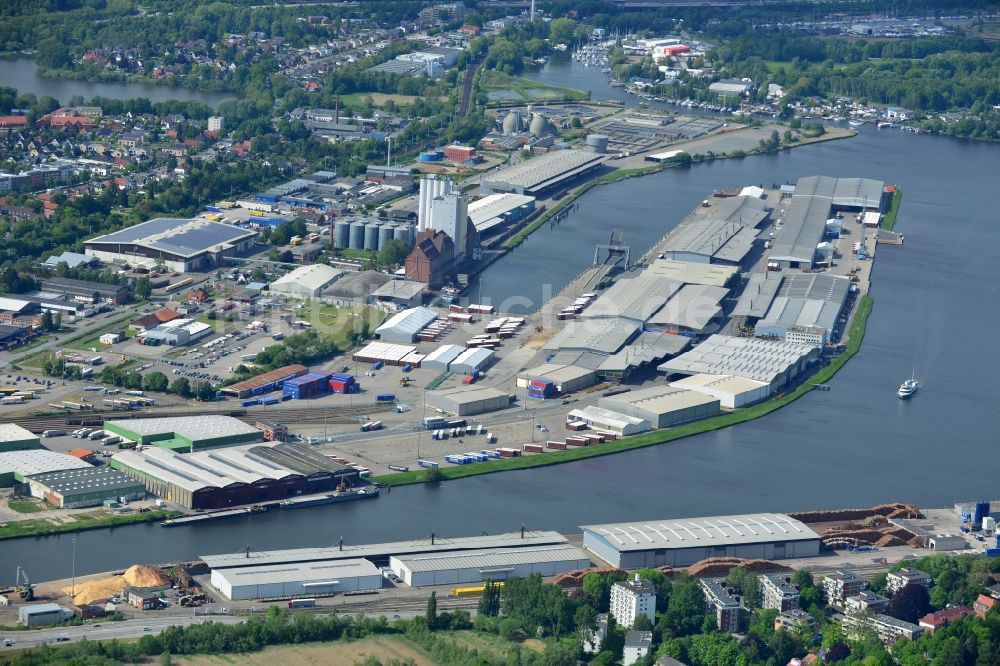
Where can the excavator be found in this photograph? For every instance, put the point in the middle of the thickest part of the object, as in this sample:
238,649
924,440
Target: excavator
27,590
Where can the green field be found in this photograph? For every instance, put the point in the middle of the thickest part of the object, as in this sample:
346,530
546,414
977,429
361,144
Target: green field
500,87
78,522
889,220
339,321
853,343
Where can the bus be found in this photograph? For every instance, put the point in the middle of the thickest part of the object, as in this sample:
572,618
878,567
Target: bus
474,589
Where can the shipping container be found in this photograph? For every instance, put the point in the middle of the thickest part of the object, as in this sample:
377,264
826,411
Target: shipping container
555,445
469,379
301,603
427,463
533,448
508,452
385,397
250,403
399,468
378,365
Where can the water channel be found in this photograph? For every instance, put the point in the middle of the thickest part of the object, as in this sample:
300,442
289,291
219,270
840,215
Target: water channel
22,74
935,313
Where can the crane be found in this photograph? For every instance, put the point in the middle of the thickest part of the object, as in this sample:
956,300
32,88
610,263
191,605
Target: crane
27,590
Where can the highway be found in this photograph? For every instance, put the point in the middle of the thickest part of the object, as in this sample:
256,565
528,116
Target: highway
108,630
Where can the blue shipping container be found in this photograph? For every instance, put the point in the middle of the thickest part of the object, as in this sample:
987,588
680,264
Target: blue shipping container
385,397
378,365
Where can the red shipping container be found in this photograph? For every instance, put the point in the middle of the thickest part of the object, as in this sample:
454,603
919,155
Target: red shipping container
555,445
533,448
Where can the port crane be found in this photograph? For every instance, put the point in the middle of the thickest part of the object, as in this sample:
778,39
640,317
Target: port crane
27,590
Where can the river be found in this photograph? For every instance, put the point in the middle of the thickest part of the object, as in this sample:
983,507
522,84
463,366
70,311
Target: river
857,444
22,74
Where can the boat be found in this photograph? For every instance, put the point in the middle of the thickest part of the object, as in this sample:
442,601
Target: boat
365,492
908,388
855,123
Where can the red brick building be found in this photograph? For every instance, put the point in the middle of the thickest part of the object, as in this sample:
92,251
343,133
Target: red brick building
433,258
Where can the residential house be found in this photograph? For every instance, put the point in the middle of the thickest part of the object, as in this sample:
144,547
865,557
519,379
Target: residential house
934,621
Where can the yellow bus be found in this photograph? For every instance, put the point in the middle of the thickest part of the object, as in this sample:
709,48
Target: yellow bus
475,589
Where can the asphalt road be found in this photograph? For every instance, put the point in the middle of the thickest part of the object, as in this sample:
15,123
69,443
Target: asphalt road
109,630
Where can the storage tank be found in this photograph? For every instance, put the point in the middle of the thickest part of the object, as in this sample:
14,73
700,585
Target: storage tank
385,234
342,234
537,126
402,232
371,235
357,235
512,122
431,156
597,143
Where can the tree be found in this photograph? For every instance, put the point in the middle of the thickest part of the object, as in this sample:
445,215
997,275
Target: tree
393,253
57,321
143,288
47,320
746,582
585,619
155,381
838,652
910,603
642,623
489,603
203,391
432,609
562,30
53,54
686,610
182,387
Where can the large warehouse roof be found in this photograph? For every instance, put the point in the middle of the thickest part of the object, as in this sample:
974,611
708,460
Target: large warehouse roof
807,300
312,278
714,240
38,461
746,210
757,295
195,471
304,572
602,336
544,171
693,307
177,236
805,220
635,298
763,360
649,347
407,323
464,395
442,544
721,383
692,273
11,432
661,399
194,428
492,559
701,532
858,193
492,209
69,482
284,372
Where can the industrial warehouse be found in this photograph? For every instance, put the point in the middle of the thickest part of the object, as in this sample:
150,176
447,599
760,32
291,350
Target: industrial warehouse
180,244
235,475
297,580
467,402
542,174
476,566
679,543
186,433
85,486
496,212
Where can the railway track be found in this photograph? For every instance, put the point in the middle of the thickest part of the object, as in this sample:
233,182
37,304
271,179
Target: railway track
334,415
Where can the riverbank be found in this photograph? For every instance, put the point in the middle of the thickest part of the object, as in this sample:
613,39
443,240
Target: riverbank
889,219
684,159
824,374
79,523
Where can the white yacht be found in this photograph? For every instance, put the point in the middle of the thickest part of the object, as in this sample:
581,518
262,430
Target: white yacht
908,388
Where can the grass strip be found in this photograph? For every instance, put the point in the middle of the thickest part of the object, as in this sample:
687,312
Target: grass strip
856,334
40,527
889,219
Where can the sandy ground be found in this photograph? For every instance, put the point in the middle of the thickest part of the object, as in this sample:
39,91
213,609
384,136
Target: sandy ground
383,648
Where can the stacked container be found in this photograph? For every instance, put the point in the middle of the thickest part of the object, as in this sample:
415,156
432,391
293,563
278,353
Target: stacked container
540,389
307,386
341,382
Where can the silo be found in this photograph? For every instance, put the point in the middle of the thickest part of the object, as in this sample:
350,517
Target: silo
371,235
342,234
357,235
537,126
402,233
597,143
385,234
512,123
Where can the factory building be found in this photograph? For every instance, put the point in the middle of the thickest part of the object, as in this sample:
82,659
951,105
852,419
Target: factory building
635,299
607,420
495,213
473,360
542,174
476,566
87,291
566,378
41,615
264,383
678,543
17,466
465,401
441,358
805,309
180,244
401,293
731,391
686,272
432,260
662,406
599,336
15,438
380,552
695,309
186,433
404,326
305,282
711,242
773,362
814,200
233,476
86,486
176,333
650,349
388,353
305,580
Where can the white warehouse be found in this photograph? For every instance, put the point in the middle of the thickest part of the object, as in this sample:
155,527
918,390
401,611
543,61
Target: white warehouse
476,566
306,579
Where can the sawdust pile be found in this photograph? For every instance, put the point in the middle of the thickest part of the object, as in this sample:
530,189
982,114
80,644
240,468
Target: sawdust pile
138,575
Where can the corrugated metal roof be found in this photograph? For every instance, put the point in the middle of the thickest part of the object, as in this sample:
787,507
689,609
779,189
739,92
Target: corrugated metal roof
636,298
464,395
692,273
539,171
11,432
38,461
85,480
702,532
312,277
692,307
180,236
195,428
755,358
301,572
408,322
491,559
661,399
602,336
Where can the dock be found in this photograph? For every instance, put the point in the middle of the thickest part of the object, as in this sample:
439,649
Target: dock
212,515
